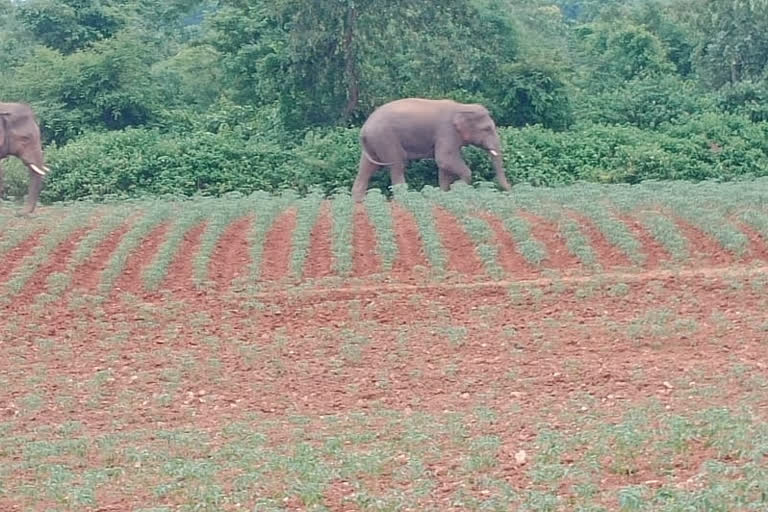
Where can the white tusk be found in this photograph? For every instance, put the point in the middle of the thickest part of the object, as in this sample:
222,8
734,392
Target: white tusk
494,152
37,169
46,169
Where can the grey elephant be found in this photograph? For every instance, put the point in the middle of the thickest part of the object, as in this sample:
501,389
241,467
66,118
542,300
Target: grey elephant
414,128
20,137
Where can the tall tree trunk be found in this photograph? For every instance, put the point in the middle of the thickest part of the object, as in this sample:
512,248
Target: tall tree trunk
351,71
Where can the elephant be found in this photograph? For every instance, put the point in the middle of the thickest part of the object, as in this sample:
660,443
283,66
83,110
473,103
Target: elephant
20,137
414,128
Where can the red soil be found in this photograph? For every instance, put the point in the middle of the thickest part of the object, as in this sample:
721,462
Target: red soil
410,250
181,271
130,280
231,258
509,257
459,247
86,275
276,258
56,262
757,248
548,233
704,249
320,259
654,252
550,359
15,256
366,259
608,255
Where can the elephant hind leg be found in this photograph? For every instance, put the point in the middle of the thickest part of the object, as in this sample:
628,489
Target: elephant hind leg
364,173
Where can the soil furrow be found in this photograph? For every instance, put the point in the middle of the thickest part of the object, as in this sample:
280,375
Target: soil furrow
276,258
130,279
410,250
366,260
654,252
86,275
458,245
559,258
181,271
703,248
232,257
15,256
320,258
608,255
510,259
56,262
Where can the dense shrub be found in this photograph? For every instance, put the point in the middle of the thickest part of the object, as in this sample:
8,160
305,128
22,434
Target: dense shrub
647,102
144,161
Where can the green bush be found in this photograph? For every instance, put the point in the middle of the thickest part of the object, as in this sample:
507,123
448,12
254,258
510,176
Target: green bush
647,102
135,162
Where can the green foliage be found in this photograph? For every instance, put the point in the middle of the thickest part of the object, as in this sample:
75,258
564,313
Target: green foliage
747,98
201,97
646,102
71,25
107,87
306,216
733,44
342,214
380,215
622,52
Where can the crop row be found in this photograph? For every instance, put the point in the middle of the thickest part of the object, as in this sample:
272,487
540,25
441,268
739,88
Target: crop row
720,212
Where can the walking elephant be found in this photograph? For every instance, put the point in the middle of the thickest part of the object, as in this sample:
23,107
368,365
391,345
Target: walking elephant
414,128
20,137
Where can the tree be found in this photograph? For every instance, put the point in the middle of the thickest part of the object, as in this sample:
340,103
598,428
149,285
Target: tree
70,25
733,41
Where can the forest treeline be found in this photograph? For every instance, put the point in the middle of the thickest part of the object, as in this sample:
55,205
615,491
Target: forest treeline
211,96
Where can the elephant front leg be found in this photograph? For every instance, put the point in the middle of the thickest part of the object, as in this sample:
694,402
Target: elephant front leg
2,183
452,164
444,179
35,185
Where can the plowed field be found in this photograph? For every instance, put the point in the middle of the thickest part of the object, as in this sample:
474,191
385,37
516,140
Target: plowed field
590,348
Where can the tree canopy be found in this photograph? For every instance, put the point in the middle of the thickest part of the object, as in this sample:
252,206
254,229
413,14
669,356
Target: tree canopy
285,74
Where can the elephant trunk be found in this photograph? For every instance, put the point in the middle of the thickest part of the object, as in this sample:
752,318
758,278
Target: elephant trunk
498,165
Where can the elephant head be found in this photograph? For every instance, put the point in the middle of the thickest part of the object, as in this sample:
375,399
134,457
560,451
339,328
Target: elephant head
20,137
476,127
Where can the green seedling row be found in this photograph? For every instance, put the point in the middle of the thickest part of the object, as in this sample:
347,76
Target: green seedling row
156,271
74,220
152,217
16,235
614,230
217,222
380,215
666,232
712,222
421,209
577,242
342,214
267,208
459,203
306,216
58,282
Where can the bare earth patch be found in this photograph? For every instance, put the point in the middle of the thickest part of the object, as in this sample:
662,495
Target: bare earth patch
526,392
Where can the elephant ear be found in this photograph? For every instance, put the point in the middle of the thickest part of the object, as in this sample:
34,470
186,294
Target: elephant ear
462,121
466,119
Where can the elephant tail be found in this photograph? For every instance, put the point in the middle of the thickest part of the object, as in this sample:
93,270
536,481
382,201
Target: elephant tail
368,155
375,162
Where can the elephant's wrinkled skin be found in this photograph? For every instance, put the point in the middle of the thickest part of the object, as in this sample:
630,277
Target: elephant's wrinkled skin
20,137
413,128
